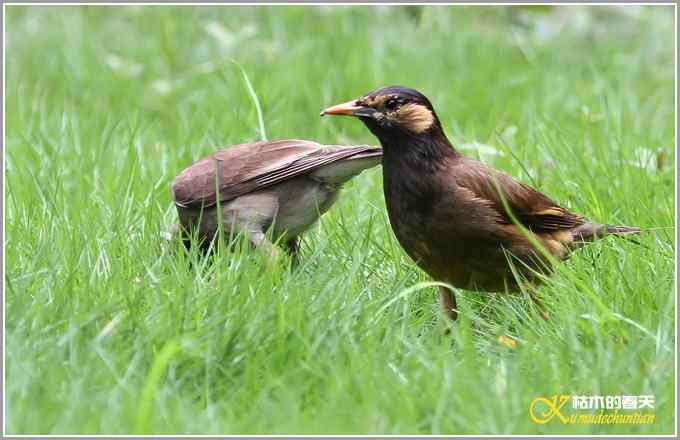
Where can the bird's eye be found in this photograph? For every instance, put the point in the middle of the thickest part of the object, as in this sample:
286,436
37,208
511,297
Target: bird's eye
391,104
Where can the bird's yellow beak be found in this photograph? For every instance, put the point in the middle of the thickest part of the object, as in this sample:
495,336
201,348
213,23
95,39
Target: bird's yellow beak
349,108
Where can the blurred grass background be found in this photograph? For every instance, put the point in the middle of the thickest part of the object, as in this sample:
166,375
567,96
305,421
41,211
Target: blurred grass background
109,332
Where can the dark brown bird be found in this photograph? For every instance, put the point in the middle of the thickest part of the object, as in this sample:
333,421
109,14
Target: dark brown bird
284,184
459,220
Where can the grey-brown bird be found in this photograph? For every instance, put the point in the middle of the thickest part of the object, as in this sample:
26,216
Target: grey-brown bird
459,220
285,185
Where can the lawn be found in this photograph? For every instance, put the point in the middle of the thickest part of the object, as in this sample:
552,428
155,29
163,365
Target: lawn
111,330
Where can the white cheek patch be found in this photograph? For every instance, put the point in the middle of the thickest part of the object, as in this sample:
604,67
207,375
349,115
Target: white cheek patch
414,117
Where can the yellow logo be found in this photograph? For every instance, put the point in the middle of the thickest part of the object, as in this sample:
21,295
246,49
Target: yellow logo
600,409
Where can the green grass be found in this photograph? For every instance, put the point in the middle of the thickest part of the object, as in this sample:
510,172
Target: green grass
110,331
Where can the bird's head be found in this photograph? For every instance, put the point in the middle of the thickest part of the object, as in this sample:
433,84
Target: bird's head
392,111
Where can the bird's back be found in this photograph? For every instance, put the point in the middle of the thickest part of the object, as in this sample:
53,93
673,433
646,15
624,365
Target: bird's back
244,168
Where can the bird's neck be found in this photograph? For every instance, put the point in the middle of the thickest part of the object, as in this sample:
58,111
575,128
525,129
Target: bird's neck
422,155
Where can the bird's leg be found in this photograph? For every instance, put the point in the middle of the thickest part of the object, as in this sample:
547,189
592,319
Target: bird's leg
292,247
533,294
177,233
447,301
259,239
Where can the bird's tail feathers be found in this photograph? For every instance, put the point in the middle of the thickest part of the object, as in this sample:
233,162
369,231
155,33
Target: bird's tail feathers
593,231
622,229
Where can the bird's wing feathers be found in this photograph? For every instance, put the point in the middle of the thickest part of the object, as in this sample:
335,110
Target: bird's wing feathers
531,208
244,168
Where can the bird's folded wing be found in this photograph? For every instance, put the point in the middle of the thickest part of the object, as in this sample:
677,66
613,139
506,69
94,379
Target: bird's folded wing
245,168
531,208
